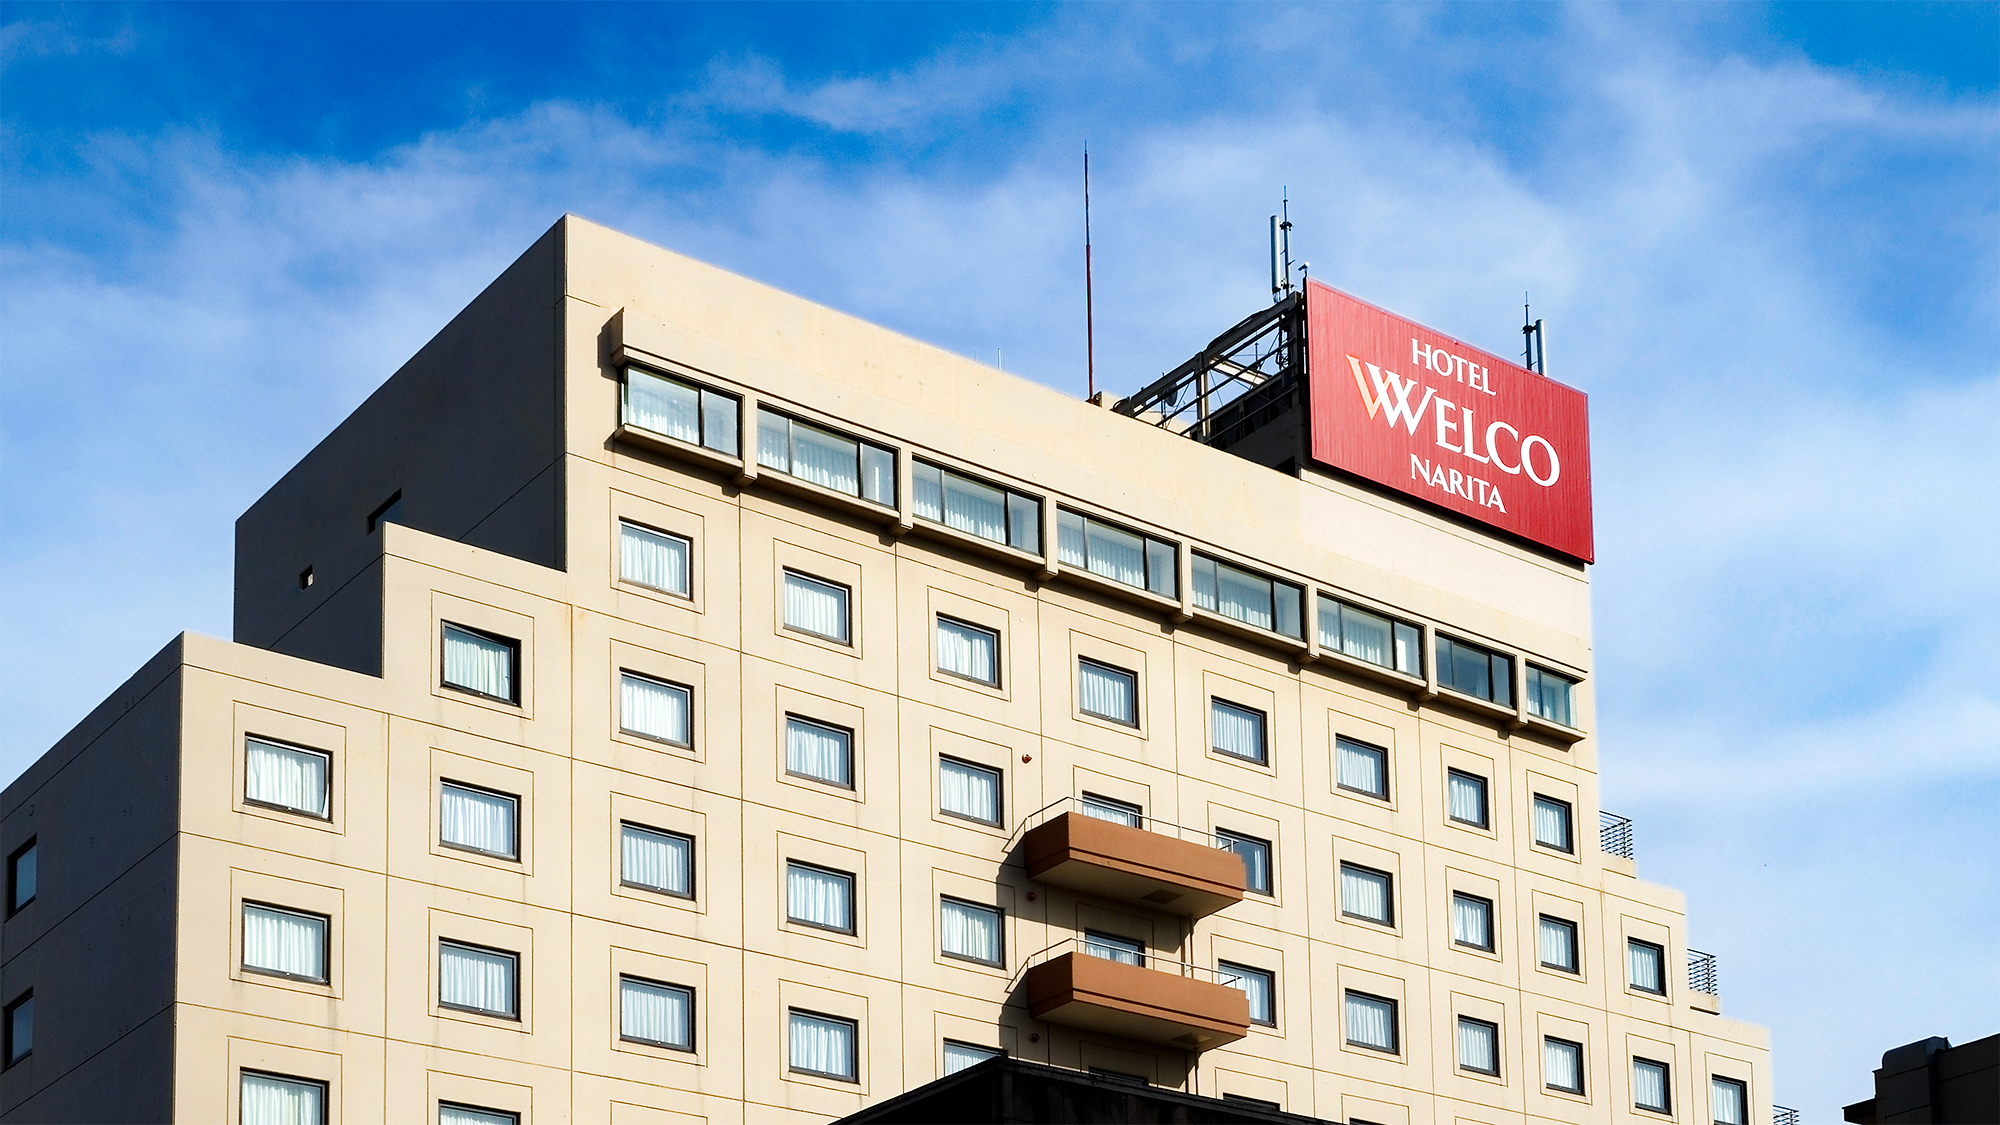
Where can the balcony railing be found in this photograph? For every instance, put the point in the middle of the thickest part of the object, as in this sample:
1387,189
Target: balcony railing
1702,974
1614,834
1157,1000
1158,865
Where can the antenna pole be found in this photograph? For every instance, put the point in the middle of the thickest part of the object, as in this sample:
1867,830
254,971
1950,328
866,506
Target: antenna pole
1089,313
1534,344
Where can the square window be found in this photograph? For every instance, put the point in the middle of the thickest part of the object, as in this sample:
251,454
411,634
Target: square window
481,663
958,1056
971,932
285,943
278,1099
655,559
478,820
1367,894
655,709
1362,768
1478,1046
1465,796
21,875
1555,941
816,607
1259,985
819,897
1112,947
451,1113
1107,693
1472,921
1371,1022
1236,731
1728,1100
1117,812
968,651
291,778
824,1046
1548,695
1552,824
656,1013
968,791
1646,966
819,751
1562,1065
656,860
1256,855
1650,1086
472,978
20,1028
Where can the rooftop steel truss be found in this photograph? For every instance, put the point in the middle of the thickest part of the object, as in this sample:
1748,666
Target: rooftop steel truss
1242,379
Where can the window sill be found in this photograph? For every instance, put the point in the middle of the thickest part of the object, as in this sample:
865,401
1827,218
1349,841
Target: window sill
1568,736
1333,659
686,451
785,482
1093,580
977,543
1473,703
1294,645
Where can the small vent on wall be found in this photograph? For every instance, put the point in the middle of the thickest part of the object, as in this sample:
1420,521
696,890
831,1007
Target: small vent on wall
306,578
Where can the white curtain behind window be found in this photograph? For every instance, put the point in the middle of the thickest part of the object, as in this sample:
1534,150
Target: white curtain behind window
822,1046
968,790
1255,984
1477,1049
1551,823
476,978
1256,859
473,818
1725,1101
1364,636
1125,951
1471,921
1243,596
1117,812
285,776
449,1114
1363,767
1557,944
478,663
816,607
821,898
1649,1085
662,406
651,558
774,441
826,459
1115,554
1468,798
974,508
1371,1022
1235,730
958,1056
280,1101
817,751
967,650
281,941
1364,893
652,708
1642,962
1107,692
1562,1065
969,930
656,1013
658,860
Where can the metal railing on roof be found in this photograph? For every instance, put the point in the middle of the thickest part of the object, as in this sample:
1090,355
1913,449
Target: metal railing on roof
1614,834
1702,974
1784,1115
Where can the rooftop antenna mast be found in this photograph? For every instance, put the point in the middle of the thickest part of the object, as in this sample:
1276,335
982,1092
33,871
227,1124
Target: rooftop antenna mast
1535,348
1089,319
1281,249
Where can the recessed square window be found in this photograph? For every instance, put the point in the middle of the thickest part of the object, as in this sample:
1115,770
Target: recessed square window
971,932
479,820
1108,693
654,859
290,778
1260,985
655,559
819,897
1117,812
1465,797
958,1056
1371,1022
1256,853
285,943
1562,1065
473,978
1237,731
824,1046
1472,921
968,651
1555,942
655,1013
817,607
280,1099
1367,894
1478,1046
819,751
1646,966
1553,825
968,790
1114,947
1728,1100
1362,768
22,875
452,1113
482,663
655,709
1651,1086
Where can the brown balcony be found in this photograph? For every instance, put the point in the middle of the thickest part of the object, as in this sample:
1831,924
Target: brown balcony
1150,869
1099,994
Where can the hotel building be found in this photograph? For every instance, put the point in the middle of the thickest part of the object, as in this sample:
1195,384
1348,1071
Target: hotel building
667,700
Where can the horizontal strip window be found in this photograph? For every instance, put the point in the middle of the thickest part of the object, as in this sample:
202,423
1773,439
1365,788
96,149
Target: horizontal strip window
976,508
825,458
1231,591
1363,635
1475,670
1139,561
680,410
1548,696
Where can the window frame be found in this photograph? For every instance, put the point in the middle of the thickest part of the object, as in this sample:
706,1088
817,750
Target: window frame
693,1022
703,394
1341,743
847,734
1666,1085
685,689
1229,968
1263,757
1388,893
1492,941
1008,496
846,637
1537,678
1485,824
687,542
854,1042
1568,847
937,661
999,791
515,798
853,928
484,1110
1659,953
1395,1046
689,839
1575,967
32,846
1128,674
999,931
948,1043
325,1088
514,663
243,940
1493,1030
253,802
475,947
1270,887
8,1055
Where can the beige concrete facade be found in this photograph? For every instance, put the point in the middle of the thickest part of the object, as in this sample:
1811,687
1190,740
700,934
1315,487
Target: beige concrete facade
503,439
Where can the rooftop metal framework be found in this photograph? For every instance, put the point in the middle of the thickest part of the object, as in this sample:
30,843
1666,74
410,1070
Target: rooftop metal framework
1243,379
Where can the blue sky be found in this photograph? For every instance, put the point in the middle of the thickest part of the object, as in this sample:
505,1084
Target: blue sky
1766,240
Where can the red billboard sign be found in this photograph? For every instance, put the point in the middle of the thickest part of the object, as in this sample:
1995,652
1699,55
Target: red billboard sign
1420,412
